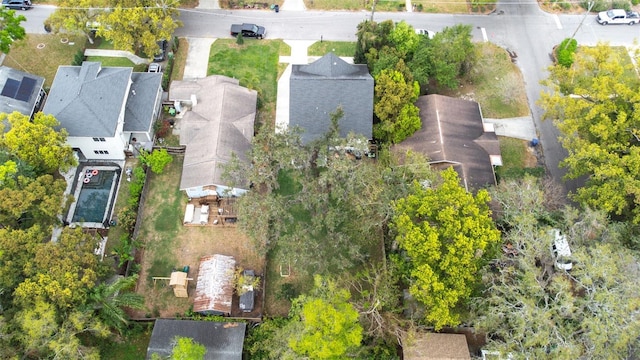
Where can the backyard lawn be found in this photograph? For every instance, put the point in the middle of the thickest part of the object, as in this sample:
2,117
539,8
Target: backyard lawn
168,245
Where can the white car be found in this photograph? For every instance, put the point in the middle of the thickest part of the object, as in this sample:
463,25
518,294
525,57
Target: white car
154,68
560,251
618,16
430,34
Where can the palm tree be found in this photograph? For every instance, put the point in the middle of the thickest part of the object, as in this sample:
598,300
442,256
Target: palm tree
108,300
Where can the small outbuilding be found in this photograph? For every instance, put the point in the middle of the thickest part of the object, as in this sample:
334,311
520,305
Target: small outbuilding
432,346
222,341
214,289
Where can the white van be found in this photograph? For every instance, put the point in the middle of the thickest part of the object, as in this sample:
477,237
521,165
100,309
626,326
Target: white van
560,250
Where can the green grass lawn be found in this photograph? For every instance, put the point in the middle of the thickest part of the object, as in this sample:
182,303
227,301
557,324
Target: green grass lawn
515,162
497,84
134,347
254,64
29,55
112,61
340,48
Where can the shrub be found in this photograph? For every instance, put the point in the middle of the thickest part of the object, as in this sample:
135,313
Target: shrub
565,51
78,58
598,5
635,2
127,218
135,190
240,39
157,160
621,4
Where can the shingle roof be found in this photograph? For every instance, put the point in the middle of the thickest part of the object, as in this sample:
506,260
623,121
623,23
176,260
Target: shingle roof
219,125
453,134
317,89
433,346
87,99
223,341
141,102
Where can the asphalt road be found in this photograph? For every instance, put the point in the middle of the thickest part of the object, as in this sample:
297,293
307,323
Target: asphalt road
518,25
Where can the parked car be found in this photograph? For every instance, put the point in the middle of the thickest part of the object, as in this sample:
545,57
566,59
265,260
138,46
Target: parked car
154,68
618,16
430,34
248,30
160,55
561,251
17,4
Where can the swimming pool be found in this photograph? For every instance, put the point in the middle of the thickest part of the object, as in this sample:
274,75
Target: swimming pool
94,194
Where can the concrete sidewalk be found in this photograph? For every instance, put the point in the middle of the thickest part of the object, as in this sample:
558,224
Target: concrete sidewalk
298,56
116,53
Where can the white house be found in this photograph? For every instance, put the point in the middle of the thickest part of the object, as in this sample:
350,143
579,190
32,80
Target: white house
105,110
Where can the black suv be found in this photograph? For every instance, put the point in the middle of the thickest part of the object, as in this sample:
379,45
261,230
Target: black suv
160,55
17,4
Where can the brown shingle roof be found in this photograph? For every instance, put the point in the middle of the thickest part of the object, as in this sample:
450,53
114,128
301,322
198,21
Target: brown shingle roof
453,134
433,346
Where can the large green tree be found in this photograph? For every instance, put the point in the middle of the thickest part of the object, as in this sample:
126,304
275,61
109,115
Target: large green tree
531,309
10,29
108,301
137,25
451,54
37,142
445,232
398,118
77,16
330,323
595,105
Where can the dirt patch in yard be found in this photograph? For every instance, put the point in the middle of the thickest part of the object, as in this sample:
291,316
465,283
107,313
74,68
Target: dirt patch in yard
168,245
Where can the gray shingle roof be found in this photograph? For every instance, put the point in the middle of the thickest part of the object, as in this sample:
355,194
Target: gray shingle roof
9,104
87,99
220,125
223,341
453,134
141,101
317,89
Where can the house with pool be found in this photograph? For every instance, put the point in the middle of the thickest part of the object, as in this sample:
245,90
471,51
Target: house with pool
108,112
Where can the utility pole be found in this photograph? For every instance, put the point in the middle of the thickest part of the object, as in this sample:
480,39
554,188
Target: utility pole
591,3
373,9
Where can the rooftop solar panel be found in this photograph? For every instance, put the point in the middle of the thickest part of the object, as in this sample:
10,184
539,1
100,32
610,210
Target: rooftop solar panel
10,88
25,89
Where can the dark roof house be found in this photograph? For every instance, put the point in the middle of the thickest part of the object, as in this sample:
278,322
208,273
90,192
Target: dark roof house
454,134
219,124
432,346
105,109
20,91
223,341
319,88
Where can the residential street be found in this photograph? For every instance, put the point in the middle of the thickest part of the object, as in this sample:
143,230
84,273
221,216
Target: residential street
518,25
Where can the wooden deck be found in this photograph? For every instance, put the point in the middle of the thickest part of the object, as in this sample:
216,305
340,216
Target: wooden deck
212,211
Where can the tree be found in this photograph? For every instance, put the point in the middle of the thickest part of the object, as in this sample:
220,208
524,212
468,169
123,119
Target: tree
32,201
108,300
37,142
45,333
77,16
445,232
394,97
10,30
404,38
61,272
594,105
157,160
451,54
531,309
331,329
137,25
187,349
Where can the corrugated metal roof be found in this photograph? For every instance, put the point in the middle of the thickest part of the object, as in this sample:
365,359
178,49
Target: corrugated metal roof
214,290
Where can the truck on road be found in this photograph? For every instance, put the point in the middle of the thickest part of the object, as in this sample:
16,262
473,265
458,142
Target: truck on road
248,30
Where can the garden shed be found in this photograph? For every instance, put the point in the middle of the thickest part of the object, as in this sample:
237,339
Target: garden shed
214,289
